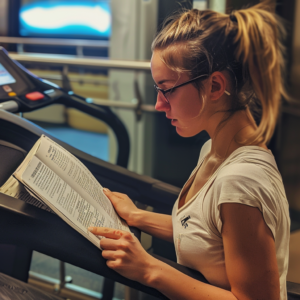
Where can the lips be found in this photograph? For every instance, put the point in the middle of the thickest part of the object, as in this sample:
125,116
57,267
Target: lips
174,121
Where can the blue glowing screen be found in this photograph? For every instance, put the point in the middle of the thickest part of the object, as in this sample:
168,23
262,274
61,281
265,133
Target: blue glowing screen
60,18
5,77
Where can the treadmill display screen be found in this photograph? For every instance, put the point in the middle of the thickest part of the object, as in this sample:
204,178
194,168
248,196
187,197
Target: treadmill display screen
5,77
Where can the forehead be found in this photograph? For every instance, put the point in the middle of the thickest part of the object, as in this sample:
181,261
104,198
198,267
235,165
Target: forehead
159,70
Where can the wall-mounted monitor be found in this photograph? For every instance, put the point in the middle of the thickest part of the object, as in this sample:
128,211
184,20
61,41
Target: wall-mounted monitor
66,19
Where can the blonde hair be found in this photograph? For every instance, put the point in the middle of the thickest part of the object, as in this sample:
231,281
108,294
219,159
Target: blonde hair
246,43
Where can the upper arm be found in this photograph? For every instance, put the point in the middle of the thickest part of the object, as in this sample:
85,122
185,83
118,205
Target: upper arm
250,254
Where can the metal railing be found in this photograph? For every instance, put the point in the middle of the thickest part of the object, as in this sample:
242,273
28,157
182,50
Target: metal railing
74,61
79,80
54,42
126,105
67,61
78,44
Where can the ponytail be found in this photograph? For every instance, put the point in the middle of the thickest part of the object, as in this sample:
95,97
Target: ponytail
259,48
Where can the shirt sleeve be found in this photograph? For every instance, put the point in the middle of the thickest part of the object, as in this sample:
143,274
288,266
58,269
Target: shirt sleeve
247,184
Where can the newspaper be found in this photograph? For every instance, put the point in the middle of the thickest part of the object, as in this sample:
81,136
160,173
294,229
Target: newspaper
53,179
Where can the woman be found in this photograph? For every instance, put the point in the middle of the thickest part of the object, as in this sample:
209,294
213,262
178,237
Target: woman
231,219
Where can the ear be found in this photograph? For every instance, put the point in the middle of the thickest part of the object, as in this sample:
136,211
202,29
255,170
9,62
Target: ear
218,85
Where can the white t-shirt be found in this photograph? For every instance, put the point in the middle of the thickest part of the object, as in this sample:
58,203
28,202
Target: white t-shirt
248,176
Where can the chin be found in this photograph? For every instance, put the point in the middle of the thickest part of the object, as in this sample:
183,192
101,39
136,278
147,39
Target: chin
184,132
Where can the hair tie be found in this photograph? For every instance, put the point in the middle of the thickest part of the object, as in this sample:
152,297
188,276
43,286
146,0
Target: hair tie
233,17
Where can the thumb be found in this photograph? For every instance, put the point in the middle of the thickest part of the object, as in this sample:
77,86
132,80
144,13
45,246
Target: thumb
106,191
110,195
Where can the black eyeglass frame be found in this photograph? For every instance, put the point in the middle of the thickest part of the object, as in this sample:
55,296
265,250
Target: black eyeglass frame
164,92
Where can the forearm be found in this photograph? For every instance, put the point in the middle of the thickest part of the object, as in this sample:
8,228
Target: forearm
176,285
158,225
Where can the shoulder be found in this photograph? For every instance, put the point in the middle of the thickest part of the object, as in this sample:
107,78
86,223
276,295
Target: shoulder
242,170
250,179
249,172
251,165
243,179
251,162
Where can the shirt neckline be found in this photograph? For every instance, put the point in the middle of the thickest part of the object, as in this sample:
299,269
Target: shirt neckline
213,175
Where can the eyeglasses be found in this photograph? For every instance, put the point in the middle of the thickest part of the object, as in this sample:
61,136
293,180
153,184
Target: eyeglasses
164,92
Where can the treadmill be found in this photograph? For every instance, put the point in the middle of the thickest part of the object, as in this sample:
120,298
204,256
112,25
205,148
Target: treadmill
29,227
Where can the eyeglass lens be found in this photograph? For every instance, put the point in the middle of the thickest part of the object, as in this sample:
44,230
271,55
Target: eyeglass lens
161,94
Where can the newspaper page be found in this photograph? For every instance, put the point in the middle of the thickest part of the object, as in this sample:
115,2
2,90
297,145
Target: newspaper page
78,177
64,200
12,187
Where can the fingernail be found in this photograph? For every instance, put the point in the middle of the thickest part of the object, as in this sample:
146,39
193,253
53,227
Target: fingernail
105,190
90,228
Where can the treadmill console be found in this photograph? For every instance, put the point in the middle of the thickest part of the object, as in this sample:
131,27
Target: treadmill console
22,91
18,84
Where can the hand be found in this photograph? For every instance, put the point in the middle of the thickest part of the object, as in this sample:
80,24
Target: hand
125,254
123,206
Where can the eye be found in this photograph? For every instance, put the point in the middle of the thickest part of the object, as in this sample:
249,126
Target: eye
172,91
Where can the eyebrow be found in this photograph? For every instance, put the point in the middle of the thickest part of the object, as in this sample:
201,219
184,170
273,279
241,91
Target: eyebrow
163,81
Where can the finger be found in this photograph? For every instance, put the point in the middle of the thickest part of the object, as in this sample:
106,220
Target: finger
107,232
109,244
108,192
109,255
119,195
112,195
114,264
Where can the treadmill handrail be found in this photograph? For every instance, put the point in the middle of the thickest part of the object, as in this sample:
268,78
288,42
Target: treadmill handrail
48,234
10,105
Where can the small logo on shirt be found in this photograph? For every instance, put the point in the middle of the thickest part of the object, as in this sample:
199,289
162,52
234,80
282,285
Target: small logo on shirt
184,221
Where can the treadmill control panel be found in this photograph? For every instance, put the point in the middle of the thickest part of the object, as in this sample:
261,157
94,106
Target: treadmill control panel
18,84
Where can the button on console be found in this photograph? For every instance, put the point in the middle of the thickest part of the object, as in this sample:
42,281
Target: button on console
34,96
7,88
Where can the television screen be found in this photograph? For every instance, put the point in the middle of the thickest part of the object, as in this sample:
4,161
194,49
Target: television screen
66,19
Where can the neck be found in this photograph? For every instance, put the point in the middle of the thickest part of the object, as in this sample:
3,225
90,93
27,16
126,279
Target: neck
228,137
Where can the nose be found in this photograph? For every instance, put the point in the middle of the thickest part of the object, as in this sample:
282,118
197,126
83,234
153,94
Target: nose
161,104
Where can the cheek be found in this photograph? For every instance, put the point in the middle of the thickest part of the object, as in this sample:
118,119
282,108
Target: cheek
191,106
